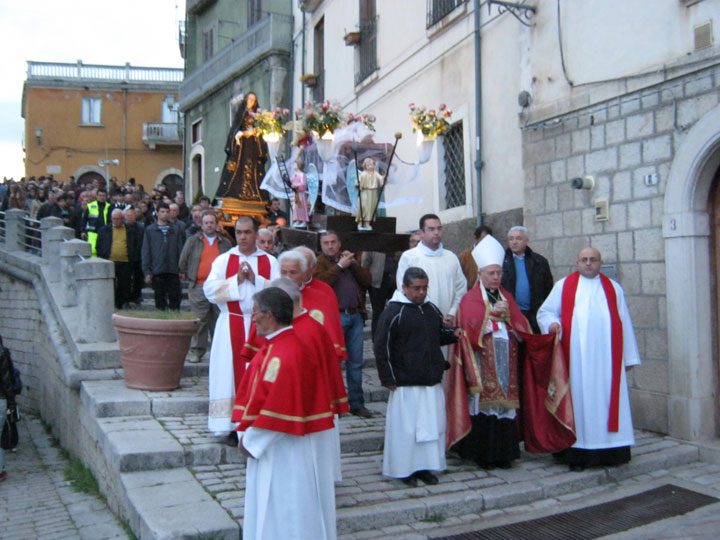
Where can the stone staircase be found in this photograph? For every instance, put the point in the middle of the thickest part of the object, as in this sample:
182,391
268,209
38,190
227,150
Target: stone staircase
180,480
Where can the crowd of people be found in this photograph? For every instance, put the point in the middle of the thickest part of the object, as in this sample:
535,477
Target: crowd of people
448,334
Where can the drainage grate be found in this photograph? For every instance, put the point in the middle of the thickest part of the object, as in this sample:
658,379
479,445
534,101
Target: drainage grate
599,520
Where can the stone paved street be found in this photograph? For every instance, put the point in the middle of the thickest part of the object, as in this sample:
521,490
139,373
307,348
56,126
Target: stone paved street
37,503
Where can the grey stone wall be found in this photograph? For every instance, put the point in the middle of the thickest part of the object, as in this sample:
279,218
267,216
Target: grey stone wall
619,142
20,327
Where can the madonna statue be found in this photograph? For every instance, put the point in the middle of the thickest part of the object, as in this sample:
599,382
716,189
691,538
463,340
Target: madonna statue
246,156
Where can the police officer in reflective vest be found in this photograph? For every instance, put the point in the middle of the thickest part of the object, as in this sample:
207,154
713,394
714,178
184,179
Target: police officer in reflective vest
95,217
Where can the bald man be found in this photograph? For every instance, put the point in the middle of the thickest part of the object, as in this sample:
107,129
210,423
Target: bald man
589,311
120,243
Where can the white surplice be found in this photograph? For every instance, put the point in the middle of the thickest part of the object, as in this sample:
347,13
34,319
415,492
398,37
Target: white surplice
415,428
220,290
447,283
289,487
591,361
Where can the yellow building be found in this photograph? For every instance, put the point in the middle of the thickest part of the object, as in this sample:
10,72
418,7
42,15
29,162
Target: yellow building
93,120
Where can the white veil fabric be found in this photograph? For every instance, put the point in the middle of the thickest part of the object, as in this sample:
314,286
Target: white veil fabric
355,140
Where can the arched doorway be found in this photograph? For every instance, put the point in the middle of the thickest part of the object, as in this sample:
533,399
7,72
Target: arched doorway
692,358
173,183
196,178
89,177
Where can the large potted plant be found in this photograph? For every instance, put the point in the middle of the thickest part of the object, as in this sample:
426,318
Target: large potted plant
153,346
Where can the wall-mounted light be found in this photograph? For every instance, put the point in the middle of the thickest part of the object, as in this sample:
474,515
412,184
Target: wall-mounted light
104,162
586,182
38,134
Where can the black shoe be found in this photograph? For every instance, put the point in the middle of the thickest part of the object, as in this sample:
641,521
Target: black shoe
410,480
426,476
486,465
504,464
577,467
232,439
362,412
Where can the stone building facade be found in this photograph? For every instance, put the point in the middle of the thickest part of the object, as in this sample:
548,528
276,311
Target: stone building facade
630,145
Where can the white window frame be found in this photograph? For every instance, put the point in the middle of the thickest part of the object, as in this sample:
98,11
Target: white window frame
91,111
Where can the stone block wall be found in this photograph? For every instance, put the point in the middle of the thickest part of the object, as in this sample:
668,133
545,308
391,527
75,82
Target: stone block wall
20,327
619,142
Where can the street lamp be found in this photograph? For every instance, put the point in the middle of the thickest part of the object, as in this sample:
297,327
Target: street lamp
105,163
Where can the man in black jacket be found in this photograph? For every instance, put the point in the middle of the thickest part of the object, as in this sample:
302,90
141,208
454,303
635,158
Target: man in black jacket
526,275
120,243
161,250
410,363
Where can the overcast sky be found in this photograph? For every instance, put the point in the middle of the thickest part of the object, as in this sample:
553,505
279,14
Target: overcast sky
142,32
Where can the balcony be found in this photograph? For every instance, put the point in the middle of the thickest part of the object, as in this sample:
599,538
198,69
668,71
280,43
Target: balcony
90,73
271,34
157,133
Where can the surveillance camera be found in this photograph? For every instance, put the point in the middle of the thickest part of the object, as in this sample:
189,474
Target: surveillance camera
586,182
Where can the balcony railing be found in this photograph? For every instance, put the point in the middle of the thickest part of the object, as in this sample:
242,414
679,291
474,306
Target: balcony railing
39,71
438,9
155,133
272,33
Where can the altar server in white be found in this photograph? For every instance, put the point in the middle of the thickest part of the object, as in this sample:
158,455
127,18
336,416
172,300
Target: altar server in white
590,312
234,277
410,363
447,281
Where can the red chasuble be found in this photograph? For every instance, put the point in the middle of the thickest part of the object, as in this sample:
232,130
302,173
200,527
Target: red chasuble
317,338
548,423
464,378
616,333
314,335
323,307
237,325
281,390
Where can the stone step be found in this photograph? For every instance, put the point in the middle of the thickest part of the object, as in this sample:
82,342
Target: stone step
369,504
372,506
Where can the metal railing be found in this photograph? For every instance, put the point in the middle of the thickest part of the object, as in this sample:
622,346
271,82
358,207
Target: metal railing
367,50
161,133
438,9
2,226
273,32
99,72
30,238
454,157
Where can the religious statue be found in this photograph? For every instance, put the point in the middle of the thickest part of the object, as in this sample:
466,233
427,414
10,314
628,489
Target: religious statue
301,203
368,185
246,156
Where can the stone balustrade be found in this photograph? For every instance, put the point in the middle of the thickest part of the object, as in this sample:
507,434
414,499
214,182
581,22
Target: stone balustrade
76,280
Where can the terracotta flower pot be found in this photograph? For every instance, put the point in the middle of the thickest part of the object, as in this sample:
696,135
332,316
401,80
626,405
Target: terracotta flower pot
153,350
352,38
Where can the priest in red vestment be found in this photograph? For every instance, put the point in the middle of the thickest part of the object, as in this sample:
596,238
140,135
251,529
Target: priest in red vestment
285,424
482,391
317,297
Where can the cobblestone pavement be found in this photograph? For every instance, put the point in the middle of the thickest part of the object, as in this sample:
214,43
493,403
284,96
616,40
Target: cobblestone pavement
36,502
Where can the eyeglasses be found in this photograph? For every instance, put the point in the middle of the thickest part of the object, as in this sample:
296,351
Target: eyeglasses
254,314
589,260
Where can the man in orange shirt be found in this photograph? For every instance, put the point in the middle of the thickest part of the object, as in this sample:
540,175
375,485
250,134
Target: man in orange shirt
196,258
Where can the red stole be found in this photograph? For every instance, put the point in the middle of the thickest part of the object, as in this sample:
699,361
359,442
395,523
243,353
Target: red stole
237,323
616,332
281,390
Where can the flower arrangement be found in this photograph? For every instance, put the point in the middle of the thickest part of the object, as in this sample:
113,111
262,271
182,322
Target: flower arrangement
367,119
267,122
320,118
430,123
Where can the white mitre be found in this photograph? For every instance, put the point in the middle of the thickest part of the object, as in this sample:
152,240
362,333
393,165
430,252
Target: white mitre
488,252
